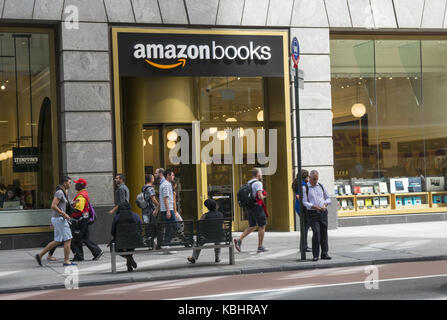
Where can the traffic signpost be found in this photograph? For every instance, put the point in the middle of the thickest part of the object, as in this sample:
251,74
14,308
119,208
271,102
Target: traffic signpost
299,77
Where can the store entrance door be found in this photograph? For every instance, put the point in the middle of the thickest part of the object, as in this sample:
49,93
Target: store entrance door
224,181
158,140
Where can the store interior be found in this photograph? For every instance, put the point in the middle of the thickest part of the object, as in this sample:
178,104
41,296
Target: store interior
389,115
27,117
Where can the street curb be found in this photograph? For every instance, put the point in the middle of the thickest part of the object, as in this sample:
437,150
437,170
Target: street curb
312,266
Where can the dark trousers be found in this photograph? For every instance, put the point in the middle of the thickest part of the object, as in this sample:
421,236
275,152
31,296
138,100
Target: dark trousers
318,221
81,236
170,228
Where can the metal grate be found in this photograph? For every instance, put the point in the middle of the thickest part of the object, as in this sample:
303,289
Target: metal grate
175,233
214,231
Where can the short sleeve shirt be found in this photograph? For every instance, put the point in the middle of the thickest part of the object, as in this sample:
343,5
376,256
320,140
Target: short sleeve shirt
148,191
121,194
166,191
62,202
256,186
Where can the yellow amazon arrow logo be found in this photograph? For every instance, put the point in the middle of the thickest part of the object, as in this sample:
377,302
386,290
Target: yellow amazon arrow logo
181,62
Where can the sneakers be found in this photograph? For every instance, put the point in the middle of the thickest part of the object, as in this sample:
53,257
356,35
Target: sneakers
191,260
39,261
237,244
262,249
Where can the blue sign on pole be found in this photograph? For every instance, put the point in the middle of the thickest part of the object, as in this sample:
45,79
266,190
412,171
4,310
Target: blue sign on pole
295,52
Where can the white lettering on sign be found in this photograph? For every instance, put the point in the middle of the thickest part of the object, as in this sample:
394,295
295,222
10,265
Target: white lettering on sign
30,160
202,52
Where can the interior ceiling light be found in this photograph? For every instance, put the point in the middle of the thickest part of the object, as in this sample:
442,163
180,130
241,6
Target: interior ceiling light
172,135
358,110
171,144
260,115
213,130
231,120
222,135
240,132
144,142
150,140
9,153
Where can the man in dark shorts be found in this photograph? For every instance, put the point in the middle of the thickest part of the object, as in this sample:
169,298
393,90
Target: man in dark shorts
255,213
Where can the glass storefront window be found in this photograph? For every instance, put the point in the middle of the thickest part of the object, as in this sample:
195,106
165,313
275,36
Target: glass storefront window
388,123
231,99
27,130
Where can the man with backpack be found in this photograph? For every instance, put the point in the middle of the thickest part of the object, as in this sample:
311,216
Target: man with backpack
60,221
80,223
316,200
255,211
148,204
147,201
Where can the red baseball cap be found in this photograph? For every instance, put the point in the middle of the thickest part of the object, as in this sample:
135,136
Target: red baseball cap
81,181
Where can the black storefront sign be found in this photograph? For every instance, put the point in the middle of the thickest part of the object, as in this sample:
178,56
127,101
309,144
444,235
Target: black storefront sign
25,159
155,54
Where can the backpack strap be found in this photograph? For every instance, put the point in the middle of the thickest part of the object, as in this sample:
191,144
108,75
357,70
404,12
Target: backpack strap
251,188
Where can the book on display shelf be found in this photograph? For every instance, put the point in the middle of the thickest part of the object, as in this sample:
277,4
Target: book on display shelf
437,199
417,201
415,184
357,190
350,204
341,190
344,203
384,202
360,203
348,189
368,202
383,187
376,202
398,201
408,201
444,199
434,183
399,185
376,189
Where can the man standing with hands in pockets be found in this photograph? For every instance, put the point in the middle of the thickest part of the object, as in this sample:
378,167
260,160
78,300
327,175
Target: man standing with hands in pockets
316,200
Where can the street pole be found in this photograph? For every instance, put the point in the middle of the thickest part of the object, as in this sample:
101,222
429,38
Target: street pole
295,58
300,178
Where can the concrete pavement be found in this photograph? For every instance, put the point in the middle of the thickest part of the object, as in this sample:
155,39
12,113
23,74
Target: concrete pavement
348,246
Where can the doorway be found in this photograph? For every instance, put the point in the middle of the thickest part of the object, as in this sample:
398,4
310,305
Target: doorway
158,140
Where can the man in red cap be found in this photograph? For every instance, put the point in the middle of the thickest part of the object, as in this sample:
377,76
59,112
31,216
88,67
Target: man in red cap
81,203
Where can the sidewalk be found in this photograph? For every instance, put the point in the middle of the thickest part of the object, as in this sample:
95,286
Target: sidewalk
348,247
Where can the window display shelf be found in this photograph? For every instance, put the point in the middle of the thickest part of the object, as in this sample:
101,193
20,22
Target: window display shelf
440,202
426,205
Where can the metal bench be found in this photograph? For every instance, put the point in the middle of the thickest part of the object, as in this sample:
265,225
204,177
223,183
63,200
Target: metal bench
140,238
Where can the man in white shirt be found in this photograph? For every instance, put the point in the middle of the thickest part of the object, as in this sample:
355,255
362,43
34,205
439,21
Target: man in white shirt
255,213
316,199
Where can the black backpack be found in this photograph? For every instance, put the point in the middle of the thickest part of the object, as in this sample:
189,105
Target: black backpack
68,207
245,195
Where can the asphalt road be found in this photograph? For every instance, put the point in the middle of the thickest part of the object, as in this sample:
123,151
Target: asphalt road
415,280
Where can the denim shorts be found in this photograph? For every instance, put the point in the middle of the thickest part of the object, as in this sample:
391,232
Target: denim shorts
62,231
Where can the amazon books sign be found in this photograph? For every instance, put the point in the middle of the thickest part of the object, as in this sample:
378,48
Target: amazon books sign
154,54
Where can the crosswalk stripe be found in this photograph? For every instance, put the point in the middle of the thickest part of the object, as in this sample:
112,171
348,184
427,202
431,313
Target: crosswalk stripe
7,273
